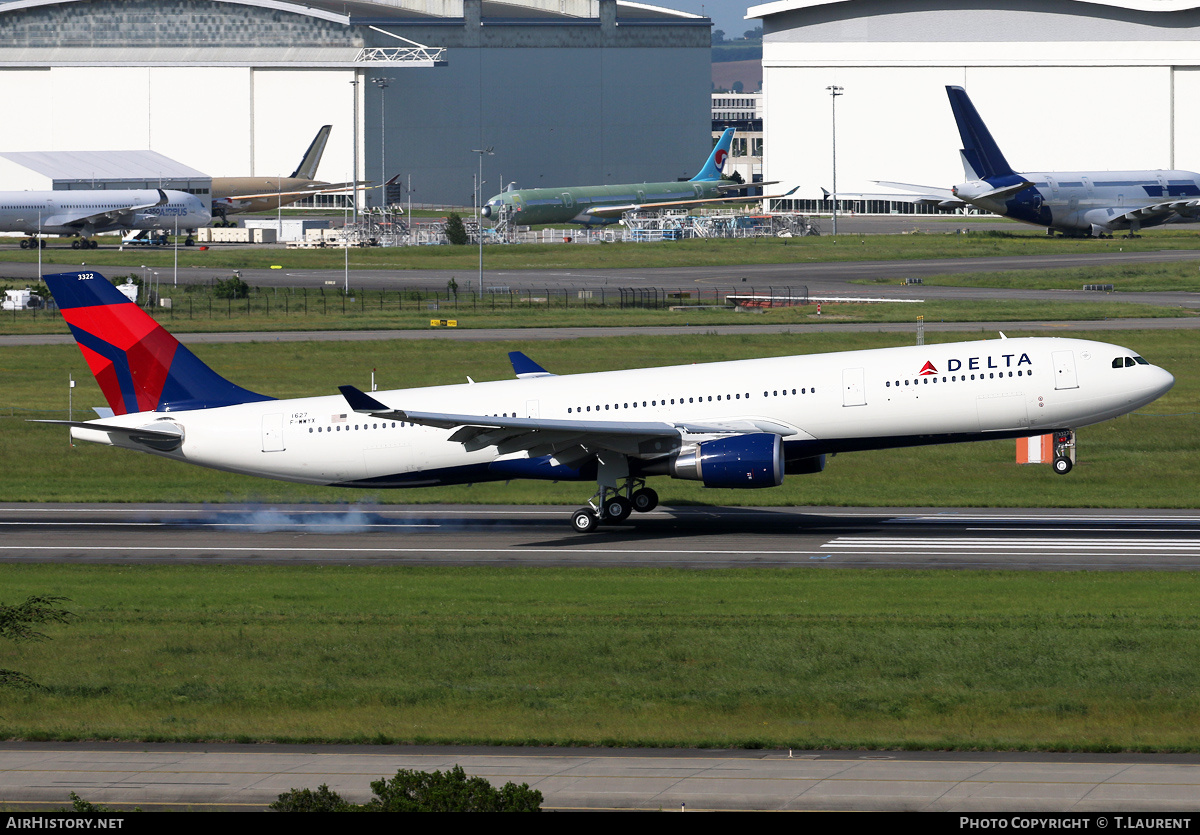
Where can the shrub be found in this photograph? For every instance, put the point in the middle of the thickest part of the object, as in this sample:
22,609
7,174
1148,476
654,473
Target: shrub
456,233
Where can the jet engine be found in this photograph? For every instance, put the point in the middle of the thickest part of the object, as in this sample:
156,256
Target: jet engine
742,461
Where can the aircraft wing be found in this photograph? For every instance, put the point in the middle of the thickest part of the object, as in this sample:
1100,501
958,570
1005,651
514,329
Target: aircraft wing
569,441
943,197
738,186
611,211
107,217
1187,208
315,188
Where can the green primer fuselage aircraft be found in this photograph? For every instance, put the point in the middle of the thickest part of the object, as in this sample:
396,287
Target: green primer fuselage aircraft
597,205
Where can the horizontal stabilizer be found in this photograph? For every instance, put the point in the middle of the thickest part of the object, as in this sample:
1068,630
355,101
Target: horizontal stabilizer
164,440
931,193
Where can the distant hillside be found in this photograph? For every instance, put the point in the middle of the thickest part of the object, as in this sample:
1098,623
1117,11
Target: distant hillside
749,73
739,50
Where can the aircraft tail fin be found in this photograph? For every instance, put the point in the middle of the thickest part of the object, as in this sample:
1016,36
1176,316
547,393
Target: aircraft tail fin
139,366
716,160
312,157
981,155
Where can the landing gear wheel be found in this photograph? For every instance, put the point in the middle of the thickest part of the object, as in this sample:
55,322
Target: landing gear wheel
617,509
93,244
25,244
585,520
1062,465
644,500
190,242
75,244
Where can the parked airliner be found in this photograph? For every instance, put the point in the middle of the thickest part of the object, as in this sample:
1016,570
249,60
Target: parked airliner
1075,203
85,213
741,424
599,205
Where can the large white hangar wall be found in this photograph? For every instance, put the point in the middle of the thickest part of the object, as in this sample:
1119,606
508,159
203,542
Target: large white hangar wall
227,121
287,108
1073,94
566,92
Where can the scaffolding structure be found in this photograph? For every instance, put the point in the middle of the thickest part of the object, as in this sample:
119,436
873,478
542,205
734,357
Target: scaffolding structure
675,225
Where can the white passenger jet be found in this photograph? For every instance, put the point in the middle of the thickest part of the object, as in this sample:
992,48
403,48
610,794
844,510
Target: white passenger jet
1075,203
87,212
742,424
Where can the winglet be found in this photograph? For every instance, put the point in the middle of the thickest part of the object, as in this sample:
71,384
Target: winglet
716,160
524,367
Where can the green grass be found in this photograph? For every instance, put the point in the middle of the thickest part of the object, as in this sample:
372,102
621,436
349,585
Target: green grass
802,658
706,252
1136,461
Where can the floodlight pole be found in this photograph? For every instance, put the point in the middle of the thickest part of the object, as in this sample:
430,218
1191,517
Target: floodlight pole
382,83
478,206
834,92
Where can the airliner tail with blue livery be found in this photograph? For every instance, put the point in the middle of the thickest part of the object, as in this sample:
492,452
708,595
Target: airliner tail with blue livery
1074,203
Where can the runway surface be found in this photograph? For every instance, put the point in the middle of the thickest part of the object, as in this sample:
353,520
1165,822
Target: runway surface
686,537
248,777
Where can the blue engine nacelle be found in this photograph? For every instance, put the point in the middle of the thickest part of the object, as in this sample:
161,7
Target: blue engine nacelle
742,461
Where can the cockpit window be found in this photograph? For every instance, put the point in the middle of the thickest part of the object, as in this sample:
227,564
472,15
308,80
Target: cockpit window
1140,361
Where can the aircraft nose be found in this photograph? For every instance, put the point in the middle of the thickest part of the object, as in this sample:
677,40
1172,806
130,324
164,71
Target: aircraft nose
1162,381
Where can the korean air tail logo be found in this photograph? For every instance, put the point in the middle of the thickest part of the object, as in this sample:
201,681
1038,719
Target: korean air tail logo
719,159
928,370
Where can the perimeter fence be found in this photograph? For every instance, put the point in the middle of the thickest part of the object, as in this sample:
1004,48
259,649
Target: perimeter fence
201,302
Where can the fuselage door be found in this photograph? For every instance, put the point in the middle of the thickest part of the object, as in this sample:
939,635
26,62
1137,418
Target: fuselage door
853,390
533,408
272,433
1064,370
568,200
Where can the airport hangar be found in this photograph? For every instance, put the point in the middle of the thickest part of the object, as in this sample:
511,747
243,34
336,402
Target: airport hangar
564,92
1062,85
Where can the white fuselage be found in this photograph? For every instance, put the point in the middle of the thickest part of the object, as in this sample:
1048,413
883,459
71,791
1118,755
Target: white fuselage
1092,201
62,212
830,403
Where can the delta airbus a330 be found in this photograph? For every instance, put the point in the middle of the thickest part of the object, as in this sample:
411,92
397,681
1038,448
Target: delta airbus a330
742,424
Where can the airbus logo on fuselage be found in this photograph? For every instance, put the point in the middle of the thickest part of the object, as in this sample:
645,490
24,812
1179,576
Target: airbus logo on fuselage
974,363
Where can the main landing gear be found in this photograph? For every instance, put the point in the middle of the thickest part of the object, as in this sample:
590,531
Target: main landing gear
617,495
612,507
84,243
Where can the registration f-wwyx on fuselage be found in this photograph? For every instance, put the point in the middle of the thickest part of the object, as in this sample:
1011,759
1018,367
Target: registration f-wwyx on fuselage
1075,203
739,424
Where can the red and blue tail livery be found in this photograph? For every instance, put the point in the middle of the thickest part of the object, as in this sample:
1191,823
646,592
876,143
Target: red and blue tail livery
139,366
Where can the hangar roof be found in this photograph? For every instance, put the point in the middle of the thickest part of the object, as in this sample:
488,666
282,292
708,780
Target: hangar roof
349,11
765,9
103,165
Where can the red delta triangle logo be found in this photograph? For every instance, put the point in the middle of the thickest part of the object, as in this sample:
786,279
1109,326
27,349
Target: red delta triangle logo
928,369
